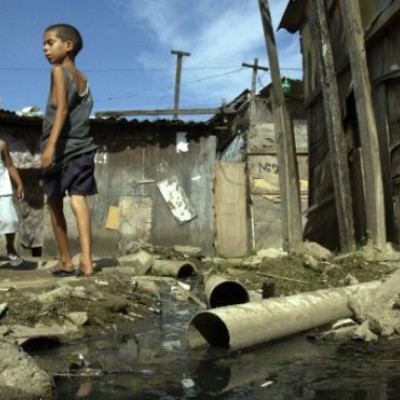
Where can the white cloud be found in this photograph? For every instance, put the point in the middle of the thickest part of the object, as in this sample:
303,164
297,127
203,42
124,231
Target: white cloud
221,33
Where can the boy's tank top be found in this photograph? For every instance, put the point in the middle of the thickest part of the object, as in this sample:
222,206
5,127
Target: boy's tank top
5,182
75,137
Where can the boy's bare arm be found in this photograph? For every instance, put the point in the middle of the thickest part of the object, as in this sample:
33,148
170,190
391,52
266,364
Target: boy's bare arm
59,94
12,170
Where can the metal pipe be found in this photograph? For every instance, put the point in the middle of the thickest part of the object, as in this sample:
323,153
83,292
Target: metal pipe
244,325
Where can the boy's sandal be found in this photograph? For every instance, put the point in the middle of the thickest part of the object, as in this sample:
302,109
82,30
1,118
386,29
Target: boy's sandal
58,272
15,260
81,274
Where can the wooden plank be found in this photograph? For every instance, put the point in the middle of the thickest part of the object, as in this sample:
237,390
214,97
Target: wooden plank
112,221
375,207
334,128
230,209
288,171
382,120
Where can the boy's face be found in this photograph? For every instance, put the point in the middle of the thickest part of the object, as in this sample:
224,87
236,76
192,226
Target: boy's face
55,49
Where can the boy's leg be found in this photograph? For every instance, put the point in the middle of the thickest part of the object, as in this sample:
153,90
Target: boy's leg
80,208
60,232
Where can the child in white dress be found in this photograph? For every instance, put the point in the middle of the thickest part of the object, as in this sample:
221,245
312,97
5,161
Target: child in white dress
8,214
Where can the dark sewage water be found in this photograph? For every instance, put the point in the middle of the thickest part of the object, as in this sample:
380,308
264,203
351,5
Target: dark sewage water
149,360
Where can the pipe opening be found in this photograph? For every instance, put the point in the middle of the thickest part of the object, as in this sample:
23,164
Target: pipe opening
186,270
206,328
228,293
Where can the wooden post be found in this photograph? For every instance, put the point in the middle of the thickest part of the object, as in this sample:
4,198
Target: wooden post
288,169
334,128
375,209
179,55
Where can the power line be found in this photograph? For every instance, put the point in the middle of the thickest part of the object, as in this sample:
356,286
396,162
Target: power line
17,69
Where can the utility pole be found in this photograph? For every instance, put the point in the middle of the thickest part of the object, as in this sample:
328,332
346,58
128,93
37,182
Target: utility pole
288,169
253,122
334,128
375,206
179,56
255,67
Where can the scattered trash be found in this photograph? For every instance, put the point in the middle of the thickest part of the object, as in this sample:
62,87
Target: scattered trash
101,283
267,383
184,285
3,307
7,289
187,383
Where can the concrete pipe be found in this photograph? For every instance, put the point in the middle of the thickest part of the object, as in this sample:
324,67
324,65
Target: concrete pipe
244,325
221,292
176,269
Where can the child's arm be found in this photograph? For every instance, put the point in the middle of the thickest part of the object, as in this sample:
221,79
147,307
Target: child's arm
12,170
59,94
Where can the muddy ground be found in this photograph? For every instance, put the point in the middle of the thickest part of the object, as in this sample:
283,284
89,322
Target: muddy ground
117,295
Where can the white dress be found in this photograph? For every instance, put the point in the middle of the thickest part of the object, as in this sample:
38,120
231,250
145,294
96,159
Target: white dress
8,214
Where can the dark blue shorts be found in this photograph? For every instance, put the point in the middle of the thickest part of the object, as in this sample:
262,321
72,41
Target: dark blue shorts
75,178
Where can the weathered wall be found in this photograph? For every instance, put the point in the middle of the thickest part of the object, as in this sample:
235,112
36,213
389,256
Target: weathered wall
380,19
131,160
258,150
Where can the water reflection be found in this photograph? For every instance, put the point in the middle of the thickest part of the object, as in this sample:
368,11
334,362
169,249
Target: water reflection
149,360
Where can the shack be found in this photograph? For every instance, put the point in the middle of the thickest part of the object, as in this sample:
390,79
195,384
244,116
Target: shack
212,185
379,19
155,182
248,156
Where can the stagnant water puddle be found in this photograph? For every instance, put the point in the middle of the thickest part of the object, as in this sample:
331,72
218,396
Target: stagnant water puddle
149,360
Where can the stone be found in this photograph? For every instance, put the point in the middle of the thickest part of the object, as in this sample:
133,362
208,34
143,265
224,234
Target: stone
77,318
141,261
20,377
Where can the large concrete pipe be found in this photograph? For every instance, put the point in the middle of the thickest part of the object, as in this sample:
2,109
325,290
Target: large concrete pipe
221,292
176,269
240,326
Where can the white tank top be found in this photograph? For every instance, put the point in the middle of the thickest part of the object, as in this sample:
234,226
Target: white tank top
5,182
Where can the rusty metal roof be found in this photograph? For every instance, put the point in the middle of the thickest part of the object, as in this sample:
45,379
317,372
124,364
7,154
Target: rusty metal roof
10,117
293,15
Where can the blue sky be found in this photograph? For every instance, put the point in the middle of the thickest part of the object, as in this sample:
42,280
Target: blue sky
127,50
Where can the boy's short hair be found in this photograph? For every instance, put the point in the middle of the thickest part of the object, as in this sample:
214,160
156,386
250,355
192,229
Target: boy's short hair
68,32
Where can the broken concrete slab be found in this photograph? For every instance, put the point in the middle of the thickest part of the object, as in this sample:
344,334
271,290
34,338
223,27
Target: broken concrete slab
189,251
20,377
377,306
141,262
312,249
20,334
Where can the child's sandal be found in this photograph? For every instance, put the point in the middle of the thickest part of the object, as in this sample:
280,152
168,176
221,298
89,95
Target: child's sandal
15,260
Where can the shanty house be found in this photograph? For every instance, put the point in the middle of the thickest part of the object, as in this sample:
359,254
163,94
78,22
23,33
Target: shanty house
247,179
155,182
212,185
381,34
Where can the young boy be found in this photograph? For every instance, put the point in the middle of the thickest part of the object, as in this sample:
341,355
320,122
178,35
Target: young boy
8,215
67,149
